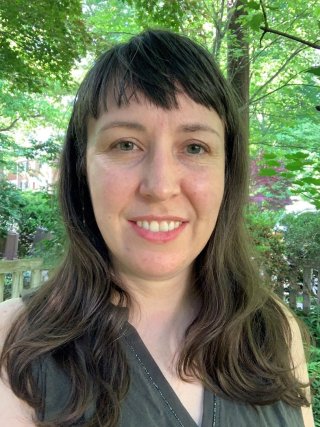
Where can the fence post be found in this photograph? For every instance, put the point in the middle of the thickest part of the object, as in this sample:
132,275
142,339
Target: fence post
11,248
2,278
17,284
35,278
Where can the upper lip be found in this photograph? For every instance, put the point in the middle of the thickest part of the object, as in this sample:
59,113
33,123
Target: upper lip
157,218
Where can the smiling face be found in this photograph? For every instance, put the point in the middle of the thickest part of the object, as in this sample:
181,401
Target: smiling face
156,179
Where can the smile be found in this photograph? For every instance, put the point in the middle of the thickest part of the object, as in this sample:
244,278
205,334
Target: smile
159,226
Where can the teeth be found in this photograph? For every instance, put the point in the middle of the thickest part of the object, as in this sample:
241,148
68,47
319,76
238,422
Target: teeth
171,225
145,225
164,226
156,226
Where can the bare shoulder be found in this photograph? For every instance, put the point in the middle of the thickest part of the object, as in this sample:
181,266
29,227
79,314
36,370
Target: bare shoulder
299,361
9,310
13,411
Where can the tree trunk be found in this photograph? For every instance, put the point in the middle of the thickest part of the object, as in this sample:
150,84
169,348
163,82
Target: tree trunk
238,61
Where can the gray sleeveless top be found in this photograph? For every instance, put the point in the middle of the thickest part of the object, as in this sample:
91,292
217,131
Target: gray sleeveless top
151,402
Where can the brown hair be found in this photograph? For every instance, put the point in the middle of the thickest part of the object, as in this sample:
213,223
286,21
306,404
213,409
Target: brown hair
240,339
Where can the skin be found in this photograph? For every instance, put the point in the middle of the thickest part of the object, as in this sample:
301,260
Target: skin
147,163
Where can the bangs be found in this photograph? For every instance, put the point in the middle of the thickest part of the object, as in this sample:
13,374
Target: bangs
124,81
157,66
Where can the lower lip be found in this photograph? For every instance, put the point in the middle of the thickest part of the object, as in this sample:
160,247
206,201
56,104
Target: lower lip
160,236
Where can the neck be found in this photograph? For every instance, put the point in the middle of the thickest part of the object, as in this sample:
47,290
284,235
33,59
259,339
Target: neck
162,310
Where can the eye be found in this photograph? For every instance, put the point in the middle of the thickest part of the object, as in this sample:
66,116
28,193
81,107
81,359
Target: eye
195,149
126,145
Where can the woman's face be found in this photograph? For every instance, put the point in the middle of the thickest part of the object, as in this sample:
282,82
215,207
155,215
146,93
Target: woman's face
156,179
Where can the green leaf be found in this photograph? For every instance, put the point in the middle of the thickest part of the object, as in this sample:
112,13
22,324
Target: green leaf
274,163
256,21
253,5
288,175
270,156
294,166
267,172
314,70
311,180
299,182
297,155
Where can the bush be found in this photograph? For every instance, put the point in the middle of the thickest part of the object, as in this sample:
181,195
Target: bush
40,211
25,212
269,245
10,207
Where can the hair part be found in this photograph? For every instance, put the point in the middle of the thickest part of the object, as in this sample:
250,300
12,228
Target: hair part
239,325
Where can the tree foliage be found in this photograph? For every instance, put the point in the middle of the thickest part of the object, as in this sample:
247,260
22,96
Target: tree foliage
10,207
40,41
302,238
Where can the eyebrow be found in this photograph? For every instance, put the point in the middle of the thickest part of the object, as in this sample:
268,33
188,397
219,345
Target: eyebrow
195,127
122,124
188,127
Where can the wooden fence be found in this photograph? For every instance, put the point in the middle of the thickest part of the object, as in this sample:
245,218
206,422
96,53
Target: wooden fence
22,274
308,289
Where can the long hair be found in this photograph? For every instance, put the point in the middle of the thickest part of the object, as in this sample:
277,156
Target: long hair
240,340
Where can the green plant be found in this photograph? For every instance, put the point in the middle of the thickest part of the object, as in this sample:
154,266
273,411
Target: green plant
41,211
11,204
26,211
302,236
268,243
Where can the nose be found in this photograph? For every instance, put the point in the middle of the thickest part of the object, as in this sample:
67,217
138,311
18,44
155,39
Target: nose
160,176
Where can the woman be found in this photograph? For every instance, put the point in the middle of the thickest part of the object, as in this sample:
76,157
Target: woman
157,316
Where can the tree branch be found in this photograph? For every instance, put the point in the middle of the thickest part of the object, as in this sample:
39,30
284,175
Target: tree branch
275,74
218,22
6,129
10,126
299,147
272,91
265,20
266,29
282,86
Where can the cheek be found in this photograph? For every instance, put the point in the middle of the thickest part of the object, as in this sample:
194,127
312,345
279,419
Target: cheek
207,193
110,191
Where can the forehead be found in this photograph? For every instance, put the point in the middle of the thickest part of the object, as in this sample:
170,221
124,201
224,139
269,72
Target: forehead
141,110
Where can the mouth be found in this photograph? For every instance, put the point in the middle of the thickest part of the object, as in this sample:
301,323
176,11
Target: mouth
157,229
159,226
